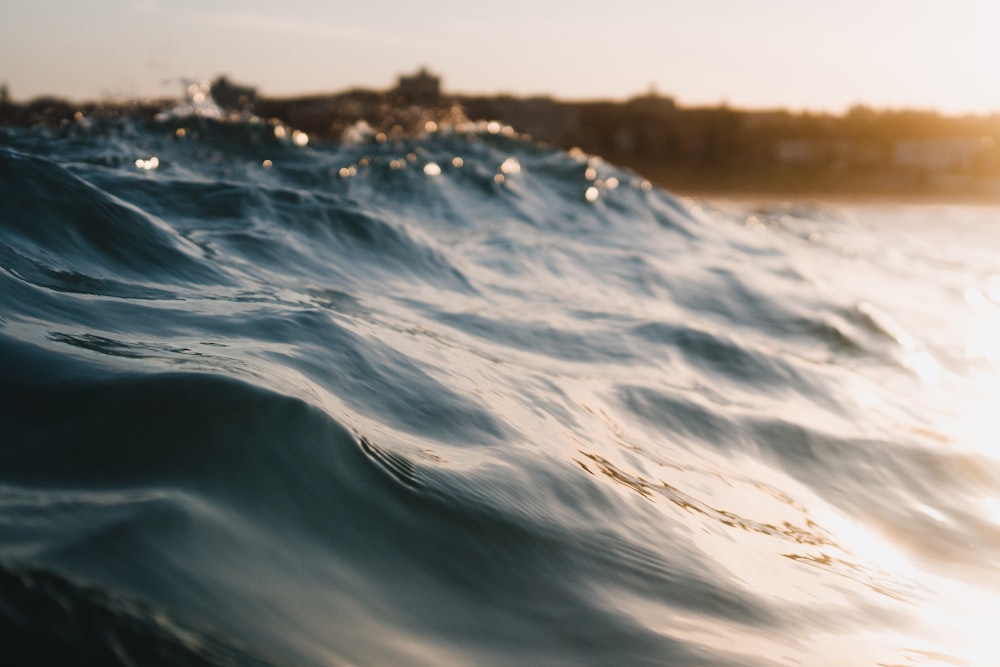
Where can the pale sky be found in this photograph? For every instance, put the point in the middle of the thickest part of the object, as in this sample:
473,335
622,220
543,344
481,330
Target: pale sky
801,54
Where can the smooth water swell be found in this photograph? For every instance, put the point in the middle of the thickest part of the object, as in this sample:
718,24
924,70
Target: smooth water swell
463,399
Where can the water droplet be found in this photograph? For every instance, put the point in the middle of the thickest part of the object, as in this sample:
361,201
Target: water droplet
510,166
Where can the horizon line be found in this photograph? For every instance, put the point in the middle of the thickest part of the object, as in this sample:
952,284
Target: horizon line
113,99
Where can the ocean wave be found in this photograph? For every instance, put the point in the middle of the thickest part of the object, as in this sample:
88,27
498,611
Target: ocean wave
458,398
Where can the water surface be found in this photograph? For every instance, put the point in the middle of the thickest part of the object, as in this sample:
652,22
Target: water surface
463,399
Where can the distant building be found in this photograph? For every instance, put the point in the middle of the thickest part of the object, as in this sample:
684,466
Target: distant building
653,104
4,94
232,96
957,154
420,88
795,151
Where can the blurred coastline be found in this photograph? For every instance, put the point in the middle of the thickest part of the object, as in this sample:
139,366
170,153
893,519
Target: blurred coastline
863,154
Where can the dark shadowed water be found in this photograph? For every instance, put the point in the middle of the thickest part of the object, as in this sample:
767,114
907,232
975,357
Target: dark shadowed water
462,399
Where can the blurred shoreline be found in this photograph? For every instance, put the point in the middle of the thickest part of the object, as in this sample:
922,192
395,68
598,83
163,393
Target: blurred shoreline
862,155
791,185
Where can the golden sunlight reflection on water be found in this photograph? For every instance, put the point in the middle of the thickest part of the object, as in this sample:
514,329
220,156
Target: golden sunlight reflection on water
954,553
913,583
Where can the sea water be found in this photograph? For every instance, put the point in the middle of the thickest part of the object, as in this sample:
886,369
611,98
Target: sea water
459,398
